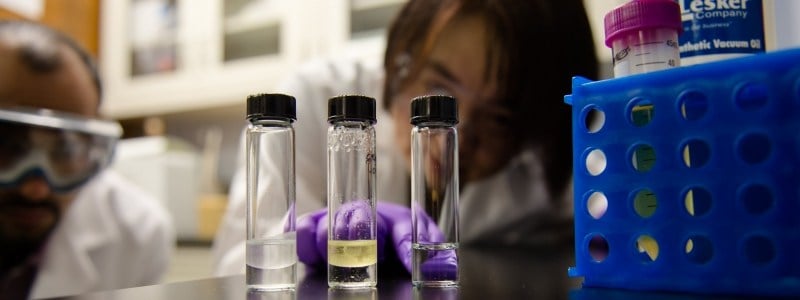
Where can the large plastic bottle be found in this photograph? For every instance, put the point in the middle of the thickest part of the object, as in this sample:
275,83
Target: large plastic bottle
715,29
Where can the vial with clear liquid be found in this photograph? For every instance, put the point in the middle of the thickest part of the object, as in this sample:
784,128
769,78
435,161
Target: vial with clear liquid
271,255
352,223
434,191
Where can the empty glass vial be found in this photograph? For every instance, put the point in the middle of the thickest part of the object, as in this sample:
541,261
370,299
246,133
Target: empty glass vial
352,226
271,255
434,191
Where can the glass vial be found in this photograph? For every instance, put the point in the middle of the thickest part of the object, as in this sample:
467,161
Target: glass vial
434,191
352,223
271,255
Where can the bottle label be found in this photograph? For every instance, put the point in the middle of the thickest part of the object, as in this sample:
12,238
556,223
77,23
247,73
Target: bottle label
721,27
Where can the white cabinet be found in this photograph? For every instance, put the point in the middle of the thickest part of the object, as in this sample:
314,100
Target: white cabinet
166,56
201,78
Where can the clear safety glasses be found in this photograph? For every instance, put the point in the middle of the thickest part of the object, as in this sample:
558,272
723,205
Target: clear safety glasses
64,149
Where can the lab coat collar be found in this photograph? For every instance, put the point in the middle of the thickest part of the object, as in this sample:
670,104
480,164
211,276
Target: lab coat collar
66,266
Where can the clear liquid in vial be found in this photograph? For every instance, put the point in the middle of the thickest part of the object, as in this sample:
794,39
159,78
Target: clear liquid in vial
271,264
435,265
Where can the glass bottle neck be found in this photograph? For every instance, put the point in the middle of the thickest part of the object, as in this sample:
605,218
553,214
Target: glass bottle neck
271,122
351,123
435,124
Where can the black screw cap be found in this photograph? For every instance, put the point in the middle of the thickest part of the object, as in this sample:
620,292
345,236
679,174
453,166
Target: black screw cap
434,109
271,106
351,107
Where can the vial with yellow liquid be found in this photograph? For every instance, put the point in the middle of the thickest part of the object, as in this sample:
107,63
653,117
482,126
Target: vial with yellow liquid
352,221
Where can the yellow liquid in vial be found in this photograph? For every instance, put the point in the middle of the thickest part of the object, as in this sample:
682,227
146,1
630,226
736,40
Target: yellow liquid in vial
352,254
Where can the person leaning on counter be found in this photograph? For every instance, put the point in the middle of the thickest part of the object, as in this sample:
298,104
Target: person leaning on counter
508,63
67,225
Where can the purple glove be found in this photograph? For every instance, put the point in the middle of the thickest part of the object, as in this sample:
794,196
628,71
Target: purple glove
307,249
441,266
393,224
438,266
351,223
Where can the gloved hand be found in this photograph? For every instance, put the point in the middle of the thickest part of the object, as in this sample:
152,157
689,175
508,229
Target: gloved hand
394,228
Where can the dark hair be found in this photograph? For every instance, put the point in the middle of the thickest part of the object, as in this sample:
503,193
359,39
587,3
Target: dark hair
38,48
535,48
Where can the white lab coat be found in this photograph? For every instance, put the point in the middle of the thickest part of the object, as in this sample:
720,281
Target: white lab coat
511,207
113,236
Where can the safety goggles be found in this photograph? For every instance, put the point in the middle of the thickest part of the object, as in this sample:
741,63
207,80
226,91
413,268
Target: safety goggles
66,150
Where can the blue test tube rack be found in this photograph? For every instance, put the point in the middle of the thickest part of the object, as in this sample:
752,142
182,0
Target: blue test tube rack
715,206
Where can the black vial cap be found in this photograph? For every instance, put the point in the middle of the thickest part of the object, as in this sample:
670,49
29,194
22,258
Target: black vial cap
271,106
434,109
352,108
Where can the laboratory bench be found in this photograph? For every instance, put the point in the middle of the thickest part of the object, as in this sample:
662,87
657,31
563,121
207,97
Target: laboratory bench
486,273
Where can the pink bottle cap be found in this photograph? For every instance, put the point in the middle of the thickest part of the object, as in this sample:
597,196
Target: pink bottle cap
642,15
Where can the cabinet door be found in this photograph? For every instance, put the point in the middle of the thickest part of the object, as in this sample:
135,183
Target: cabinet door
357,28
163,56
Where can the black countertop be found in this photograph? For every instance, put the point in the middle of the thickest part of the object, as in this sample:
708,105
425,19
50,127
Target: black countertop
486,273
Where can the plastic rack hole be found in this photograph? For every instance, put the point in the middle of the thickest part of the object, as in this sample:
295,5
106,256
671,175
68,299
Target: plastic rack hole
642,112
598,248
643,158
699,249
645,203
647,247
597,204
759,250
596,162
754,148
697,201
693,105
696,153
595,119
756,198
752,96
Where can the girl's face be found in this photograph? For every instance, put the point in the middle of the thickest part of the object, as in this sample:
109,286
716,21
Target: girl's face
456,67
